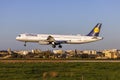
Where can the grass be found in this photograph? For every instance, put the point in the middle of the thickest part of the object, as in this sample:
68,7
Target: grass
59,71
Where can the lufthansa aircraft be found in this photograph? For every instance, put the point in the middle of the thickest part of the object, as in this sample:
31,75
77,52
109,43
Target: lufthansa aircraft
54,40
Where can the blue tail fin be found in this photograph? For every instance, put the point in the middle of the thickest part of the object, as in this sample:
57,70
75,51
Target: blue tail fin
95,31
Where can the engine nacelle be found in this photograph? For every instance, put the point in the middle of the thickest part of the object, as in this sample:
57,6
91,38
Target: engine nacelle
43,42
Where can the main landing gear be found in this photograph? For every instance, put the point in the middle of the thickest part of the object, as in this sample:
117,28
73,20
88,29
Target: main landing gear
60,46
54,46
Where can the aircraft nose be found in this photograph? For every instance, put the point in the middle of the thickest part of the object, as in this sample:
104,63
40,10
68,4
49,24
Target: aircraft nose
17,38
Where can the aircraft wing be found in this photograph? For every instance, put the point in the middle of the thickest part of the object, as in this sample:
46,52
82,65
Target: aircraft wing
51,40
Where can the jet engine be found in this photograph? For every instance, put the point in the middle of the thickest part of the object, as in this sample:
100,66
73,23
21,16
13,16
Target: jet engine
43,42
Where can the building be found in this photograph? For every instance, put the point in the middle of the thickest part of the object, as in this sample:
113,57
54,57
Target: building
22,52
90,52
36,51
58,51
111,54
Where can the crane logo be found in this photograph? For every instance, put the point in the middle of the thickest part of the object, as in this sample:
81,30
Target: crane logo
96,30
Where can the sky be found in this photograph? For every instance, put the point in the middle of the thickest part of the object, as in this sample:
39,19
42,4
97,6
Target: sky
59,17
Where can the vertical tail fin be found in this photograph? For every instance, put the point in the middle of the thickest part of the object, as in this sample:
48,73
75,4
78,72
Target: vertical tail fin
96,30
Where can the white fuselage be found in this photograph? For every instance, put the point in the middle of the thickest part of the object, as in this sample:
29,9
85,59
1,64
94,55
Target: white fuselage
70,39
53,39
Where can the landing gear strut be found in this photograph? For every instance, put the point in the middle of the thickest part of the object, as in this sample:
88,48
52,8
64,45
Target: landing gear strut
25,44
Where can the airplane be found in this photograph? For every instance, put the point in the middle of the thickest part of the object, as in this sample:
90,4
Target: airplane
54,40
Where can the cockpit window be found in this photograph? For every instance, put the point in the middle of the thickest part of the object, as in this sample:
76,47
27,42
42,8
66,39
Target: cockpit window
19,35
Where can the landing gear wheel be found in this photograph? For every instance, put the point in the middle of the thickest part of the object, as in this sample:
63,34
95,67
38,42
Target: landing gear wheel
25,44
60,46
54,46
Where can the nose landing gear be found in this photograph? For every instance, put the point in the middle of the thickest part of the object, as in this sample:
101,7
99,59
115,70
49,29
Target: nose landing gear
25,44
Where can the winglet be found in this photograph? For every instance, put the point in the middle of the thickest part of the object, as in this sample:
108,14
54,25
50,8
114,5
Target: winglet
96,30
